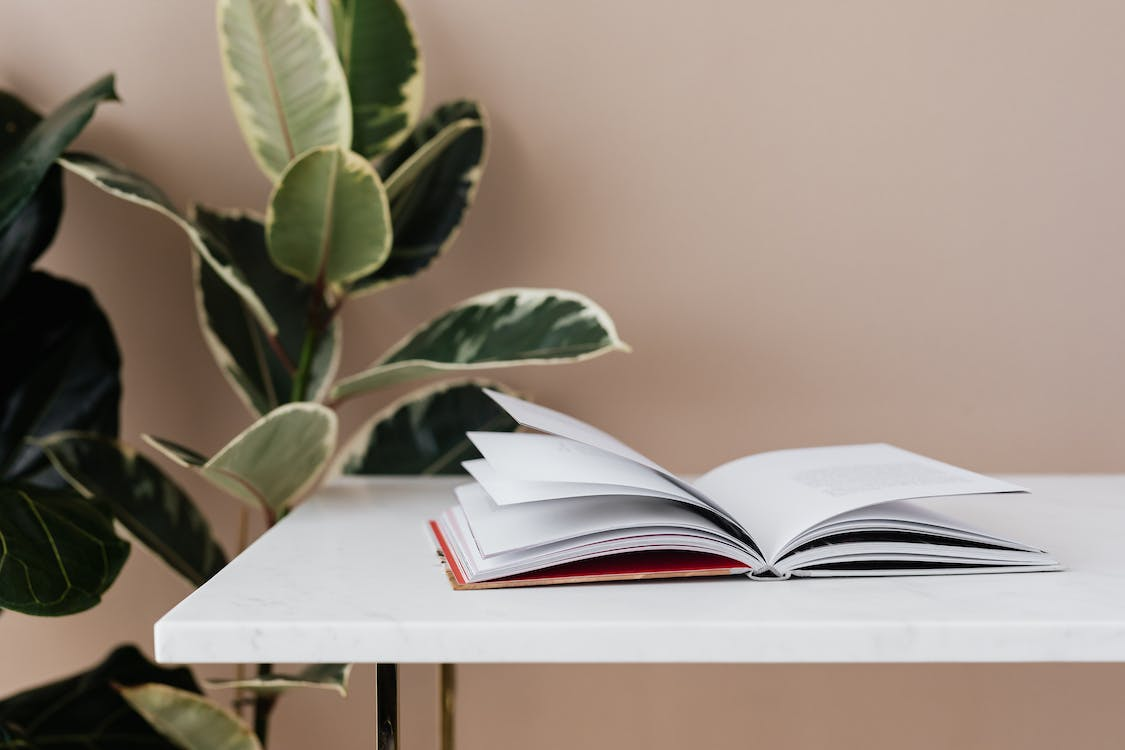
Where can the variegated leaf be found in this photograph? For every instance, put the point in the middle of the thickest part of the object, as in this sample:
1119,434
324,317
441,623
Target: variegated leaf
431,181
424,432
188,719
503,328
150,505
328,219
323,676
129,186
272,462
241,348
381,60
286,87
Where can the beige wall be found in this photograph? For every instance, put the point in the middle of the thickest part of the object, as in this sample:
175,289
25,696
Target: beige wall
815,222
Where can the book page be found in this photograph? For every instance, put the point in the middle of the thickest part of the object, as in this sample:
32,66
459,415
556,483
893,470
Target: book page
548,458
781,494
504,490
556,423
499,529
596,449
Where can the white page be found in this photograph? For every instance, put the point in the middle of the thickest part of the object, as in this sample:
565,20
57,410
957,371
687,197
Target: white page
906,554
499,529
547,458
906,516
556,423
779,495
505,490
567,427
456,530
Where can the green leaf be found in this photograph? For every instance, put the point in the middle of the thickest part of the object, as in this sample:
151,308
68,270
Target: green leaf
424,433
149,504
189,720
286,87
503,328
272,462
61,370
431,180
33,228
383,66
85,712
130,186
31,232
323,676
23,167
58,551
328,219
240,347
16,121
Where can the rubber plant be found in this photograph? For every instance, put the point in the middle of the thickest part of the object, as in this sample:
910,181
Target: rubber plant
367,193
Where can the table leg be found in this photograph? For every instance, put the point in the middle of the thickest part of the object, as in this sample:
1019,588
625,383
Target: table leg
448,700
386,707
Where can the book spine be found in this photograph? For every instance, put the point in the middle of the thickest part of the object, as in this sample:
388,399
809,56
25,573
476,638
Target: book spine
769,573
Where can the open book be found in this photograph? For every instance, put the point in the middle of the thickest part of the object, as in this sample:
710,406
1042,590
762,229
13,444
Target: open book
574,504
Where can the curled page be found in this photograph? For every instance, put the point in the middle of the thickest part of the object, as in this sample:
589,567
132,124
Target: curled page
574,451
556,423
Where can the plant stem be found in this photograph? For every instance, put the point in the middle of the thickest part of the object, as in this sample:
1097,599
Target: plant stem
263,707
320,315
301,378
241,697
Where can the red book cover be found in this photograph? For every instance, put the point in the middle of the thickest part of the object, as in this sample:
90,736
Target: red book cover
630,566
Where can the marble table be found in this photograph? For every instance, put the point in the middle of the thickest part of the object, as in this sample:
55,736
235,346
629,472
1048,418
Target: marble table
352,576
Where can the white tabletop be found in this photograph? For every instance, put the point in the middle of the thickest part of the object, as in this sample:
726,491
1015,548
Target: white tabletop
352,576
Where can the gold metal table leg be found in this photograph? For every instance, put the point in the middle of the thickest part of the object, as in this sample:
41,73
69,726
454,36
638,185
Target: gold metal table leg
448,688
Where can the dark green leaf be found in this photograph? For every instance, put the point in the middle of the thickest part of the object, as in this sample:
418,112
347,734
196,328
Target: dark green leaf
424,433
33,228
58,551
61,370
239,345
147,502
16,120
23,168
31,231
85,712
382,62
441,162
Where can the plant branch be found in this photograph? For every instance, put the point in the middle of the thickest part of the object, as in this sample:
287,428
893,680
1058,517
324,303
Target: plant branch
263,707
264,702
